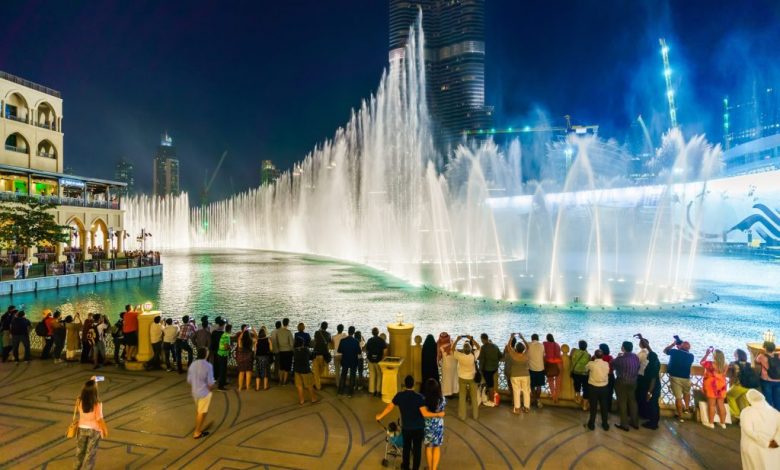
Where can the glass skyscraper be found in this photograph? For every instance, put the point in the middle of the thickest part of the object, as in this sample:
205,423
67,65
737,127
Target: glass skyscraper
455,61
166,168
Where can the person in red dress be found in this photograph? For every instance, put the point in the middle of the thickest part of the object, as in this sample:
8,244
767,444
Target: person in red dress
714,386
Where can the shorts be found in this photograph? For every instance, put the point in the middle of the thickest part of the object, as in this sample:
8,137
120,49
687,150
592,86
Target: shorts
304,380
488,377
131,338
537,378
680,386
203,404
285,360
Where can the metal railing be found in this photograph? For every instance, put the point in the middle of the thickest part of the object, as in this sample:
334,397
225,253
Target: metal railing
9,272
14,117
16,149
47,155
46,126
60,201
29,84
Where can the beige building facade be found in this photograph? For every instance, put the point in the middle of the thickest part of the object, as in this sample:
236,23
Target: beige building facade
32,163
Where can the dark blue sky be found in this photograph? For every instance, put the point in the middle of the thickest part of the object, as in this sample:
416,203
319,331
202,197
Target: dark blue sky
271,79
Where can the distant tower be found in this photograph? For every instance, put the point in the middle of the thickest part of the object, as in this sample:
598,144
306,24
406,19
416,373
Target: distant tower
454,58
268,172
166,168
668,80
124,171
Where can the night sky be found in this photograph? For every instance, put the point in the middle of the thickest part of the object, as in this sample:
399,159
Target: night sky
271,79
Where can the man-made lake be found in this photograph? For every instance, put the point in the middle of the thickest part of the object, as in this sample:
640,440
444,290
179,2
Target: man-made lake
257,288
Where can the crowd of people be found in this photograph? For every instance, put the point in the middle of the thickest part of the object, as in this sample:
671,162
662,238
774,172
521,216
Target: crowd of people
459,367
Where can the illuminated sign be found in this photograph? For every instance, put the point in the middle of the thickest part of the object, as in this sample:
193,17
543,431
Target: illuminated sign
147,306
72,183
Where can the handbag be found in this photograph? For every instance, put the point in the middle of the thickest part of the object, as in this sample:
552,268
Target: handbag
326,356
73,427
477,373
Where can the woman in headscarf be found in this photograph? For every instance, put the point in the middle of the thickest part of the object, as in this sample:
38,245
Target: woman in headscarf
760,425
449,366
430,367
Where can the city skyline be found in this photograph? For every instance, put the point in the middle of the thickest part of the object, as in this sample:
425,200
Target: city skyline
571,62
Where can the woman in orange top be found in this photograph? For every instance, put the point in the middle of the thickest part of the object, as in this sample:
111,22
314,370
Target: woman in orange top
714,387
92,427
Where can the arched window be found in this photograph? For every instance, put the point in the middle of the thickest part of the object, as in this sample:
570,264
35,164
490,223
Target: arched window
47,149
46,117
17,143
16,108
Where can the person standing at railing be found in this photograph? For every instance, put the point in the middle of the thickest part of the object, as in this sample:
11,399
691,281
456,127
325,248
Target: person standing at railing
130,332
579,373
48,324
59,336
5,330
679,370
186,333
20,334
536,369
626,367
598,390
714,385
742,377
652,391
770,374
552,366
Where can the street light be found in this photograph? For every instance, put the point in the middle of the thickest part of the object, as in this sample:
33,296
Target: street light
142,238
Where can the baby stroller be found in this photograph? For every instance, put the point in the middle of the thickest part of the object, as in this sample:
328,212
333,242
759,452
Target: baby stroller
394,442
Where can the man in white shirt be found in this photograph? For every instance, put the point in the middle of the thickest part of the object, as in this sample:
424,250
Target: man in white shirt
467,369
536,369
336,339
99,349
170,332
598,390
156,338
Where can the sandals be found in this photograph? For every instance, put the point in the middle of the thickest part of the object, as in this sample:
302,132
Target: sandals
202,434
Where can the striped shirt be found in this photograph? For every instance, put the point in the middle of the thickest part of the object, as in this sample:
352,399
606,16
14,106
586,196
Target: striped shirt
626,368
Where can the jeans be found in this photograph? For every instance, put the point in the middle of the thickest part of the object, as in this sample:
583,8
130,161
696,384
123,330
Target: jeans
118,343
522,385
220,370
626,398
87,441
154,362
183,345
641,396
23,339
471,386
48,343
343,379
59,345
170,350
374,377
413,439
599,399
771,391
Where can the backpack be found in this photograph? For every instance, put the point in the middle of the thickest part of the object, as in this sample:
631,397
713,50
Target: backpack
40,329
747,376
773,366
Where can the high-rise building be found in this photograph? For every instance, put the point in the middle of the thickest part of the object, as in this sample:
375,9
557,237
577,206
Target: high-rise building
166,168
752,117
268,172
125,172
454,58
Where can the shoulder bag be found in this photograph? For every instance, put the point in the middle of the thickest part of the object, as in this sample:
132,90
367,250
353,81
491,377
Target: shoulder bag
325,355
73,427
477,373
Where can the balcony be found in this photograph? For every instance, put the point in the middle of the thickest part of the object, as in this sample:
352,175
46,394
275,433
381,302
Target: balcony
16,118
13,148
60,201
53,156
44,125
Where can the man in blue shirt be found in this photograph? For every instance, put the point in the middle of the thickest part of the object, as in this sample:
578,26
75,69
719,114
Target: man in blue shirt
349,348
200,375
679,370
413,413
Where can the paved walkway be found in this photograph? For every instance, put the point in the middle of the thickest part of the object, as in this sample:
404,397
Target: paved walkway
150,418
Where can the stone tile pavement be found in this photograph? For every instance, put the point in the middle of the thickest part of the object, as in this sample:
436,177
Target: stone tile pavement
150,418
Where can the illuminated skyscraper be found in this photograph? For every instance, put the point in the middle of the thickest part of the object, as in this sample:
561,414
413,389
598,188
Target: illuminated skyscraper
125,172
166,168
455,61
268,172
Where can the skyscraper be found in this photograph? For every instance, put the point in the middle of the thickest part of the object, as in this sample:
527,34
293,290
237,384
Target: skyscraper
752,117
166,168
268,172
455,61
124,171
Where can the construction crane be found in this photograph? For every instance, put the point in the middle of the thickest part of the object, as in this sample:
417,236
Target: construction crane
668,79
204,194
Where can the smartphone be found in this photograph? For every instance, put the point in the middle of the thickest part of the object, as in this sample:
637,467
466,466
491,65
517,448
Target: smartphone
99,378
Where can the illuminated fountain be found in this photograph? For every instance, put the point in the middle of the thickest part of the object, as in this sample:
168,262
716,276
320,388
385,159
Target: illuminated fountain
373,195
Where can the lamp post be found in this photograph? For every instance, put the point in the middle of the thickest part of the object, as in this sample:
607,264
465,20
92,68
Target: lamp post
142,239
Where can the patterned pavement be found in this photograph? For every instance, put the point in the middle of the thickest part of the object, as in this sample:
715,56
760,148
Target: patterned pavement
150,418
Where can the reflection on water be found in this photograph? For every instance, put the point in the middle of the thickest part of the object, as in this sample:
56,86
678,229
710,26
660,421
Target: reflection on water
260,287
